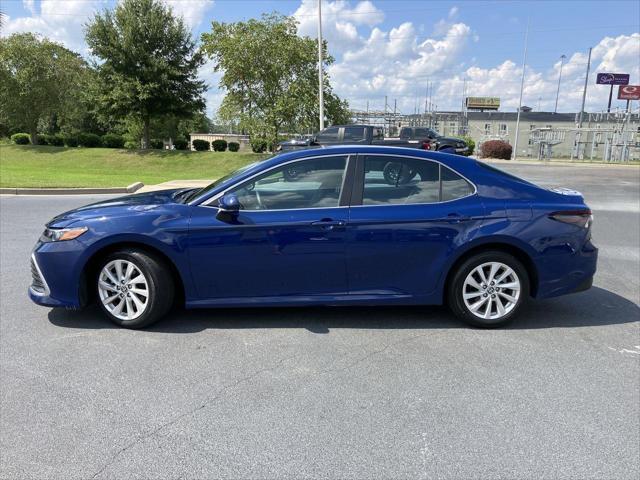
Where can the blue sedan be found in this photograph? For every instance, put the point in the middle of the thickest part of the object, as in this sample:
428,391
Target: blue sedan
350,225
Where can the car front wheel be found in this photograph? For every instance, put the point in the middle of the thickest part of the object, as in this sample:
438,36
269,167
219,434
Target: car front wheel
134,288
489,289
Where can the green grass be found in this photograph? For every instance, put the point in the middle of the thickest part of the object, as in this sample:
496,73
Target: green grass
44,166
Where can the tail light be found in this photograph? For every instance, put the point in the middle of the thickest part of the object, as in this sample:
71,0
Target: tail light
426,145
579,218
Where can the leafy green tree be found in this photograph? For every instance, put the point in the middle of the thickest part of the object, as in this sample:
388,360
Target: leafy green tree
38,79
149,63
270,75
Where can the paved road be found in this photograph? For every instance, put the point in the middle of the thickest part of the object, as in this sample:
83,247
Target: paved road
329,392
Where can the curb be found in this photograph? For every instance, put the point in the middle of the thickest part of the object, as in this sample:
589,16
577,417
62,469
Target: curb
559,163
71,191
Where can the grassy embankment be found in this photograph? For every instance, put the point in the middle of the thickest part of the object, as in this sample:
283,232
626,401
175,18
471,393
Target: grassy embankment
44,166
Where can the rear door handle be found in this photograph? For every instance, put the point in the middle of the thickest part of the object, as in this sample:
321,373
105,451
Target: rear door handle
328,224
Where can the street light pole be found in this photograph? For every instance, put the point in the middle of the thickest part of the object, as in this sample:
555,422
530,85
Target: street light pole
562,57
524,66
320,73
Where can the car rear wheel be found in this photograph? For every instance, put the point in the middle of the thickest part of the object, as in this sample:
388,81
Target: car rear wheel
134,288
489,289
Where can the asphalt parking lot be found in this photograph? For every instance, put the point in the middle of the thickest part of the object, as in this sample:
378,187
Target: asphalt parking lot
330,392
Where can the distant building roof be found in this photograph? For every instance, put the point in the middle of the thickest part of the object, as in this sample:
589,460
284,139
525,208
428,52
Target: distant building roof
524,116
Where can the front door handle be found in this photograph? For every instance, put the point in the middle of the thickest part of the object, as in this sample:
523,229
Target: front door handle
328,224
457,218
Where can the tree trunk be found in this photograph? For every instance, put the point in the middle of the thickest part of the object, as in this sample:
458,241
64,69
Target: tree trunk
33,131
145,134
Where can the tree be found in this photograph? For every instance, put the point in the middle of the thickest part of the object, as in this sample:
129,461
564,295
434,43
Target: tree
38,78
270,75
150,62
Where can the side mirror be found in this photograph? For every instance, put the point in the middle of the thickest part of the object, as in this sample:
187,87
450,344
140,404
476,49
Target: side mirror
229,205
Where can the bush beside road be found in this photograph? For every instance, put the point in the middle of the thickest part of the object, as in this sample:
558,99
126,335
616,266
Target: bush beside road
45,166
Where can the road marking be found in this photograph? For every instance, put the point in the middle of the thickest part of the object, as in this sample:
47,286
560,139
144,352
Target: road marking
626,350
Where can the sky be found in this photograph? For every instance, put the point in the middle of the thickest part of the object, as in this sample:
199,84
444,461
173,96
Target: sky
396,48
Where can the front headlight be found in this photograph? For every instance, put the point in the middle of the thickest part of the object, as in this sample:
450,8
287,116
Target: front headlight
61,234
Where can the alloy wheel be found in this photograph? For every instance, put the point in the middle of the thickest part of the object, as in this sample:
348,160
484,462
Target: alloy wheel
491,290
123,289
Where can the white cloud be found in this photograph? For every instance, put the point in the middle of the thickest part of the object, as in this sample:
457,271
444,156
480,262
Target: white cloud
616,54
193,11
59,20
396,63
30,5
340,21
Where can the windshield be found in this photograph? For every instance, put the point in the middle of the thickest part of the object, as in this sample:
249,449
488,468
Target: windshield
222,180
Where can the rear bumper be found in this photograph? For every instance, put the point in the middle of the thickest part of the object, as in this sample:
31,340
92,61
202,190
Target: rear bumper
566,274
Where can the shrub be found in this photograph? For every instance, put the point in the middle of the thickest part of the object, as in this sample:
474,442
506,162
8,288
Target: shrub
111,140
496,149
56,140
470,143
131,145
219,145
21,138
201,145
89,140
156,144
233,146
180,144
70,140
258,145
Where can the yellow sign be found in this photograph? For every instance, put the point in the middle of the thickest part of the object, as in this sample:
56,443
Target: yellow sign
483,103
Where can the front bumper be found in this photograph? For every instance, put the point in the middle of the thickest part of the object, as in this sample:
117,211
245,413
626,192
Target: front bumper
56,270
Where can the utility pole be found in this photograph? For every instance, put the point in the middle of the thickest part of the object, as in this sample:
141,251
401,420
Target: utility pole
584,92
562,57
524,66
320,73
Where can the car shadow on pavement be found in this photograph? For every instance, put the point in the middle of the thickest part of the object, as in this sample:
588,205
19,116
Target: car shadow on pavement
591,308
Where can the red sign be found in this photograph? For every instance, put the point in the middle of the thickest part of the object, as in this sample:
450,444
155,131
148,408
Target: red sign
629,92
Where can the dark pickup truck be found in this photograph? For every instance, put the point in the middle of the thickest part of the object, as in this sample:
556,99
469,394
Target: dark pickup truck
429,139
411,137
347,135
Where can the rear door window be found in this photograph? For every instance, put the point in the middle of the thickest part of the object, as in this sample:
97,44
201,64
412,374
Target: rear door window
328,135
394,180
354,134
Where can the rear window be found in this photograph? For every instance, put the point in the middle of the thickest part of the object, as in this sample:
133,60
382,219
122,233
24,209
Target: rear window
502,173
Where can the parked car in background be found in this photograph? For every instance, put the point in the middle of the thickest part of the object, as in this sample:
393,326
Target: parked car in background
429,139
350,135
357,225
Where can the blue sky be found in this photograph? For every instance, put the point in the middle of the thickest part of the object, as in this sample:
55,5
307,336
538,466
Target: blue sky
393,48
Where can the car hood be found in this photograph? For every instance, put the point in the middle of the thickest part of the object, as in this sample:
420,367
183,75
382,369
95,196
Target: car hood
130,204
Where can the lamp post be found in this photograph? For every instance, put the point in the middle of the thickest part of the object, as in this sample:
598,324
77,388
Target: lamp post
562,57
320,74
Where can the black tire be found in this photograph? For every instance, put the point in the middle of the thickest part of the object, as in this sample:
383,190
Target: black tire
395,173
159,281
456,286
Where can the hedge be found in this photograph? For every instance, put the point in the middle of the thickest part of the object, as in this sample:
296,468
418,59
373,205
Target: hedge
496,149
70,140
233,146
180,144
219,145
258,145
111,140
21,138
156,144
89,140
201,145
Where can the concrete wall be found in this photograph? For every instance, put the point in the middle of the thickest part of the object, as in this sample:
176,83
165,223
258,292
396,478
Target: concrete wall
243,140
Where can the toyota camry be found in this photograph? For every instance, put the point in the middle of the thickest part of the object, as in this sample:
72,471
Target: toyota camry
350,225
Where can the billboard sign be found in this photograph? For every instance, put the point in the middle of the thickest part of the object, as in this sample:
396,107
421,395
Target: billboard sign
612,79
629,92
482,103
